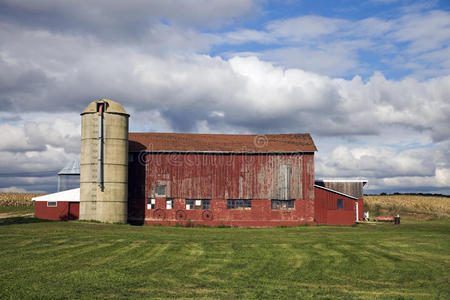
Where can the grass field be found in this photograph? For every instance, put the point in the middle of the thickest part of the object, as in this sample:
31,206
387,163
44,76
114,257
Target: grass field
43,259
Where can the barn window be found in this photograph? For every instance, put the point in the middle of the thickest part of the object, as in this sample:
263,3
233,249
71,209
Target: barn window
52,204
169,203
206,204
151,202
283,204
197,204
160,191
239,204
340,203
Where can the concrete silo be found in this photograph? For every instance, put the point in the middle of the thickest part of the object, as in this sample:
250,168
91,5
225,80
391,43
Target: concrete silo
104,162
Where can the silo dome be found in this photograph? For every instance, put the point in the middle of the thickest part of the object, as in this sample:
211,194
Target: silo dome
112,107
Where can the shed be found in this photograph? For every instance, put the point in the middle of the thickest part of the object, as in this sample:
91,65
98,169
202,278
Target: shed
335,208
69,176
63,205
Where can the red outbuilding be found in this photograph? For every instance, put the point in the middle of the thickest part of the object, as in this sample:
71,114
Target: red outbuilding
334,208
58,206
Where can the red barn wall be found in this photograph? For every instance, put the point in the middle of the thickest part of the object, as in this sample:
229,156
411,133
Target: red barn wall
326,212
228,176
260,214
60,212
219,177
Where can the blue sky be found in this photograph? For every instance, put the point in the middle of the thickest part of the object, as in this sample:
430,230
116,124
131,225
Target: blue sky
370,80
385,18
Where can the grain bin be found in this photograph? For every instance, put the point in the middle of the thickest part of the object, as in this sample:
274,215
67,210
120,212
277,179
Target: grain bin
104,162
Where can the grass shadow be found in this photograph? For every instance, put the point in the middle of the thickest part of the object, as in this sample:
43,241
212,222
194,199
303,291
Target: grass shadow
21,220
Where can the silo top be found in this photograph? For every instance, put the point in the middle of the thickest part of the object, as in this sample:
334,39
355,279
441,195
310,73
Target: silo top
112,107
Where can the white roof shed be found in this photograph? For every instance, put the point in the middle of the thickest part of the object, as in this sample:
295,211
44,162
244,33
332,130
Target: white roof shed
72,195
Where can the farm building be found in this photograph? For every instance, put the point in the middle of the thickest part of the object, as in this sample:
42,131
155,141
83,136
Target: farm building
63,205
69,176
208,179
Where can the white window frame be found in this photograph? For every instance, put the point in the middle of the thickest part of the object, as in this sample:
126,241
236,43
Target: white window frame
48,204
169,203
198,204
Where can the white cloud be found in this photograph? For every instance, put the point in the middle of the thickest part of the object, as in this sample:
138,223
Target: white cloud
304,27
13,189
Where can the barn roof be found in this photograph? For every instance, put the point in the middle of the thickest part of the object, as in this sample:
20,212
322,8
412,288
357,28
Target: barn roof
334,191
69,196
233,143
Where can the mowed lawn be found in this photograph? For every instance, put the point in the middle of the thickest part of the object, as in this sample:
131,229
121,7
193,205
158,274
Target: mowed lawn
43,259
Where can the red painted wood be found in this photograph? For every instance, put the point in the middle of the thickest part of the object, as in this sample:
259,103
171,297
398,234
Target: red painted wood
228,176
219,177
325,208
260,214
61,212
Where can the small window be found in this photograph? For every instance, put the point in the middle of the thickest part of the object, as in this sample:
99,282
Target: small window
52,204
206,204
151,202
239,204
197,204
283,204
340,204
160,191
169,203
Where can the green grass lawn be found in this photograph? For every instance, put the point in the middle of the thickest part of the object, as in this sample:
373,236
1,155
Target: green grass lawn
43,259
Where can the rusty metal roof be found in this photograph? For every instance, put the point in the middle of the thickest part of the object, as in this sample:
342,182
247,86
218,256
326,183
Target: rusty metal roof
233,143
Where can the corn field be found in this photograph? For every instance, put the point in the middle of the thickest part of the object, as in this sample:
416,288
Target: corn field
17,199
408,205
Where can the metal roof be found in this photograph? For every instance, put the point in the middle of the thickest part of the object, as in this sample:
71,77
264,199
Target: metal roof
364,181
334,191
72,168
221,143
69,196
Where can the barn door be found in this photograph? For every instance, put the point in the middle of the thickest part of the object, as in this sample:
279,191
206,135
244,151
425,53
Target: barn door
284,182
74,211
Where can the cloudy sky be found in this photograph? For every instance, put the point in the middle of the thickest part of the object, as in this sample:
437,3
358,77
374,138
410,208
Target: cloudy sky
370,80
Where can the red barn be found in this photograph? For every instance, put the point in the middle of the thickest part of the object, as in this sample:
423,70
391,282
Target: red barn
214,179
220,179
